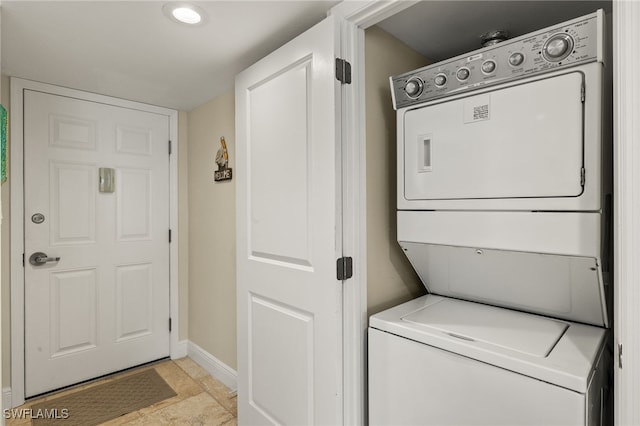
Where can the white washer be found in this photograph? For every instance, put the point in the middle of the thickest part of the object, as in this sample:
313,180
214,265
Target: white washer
441,361
502,211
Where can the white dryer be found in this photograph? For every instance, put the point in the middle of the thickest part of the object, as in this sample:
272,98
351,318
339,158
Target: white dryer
502,211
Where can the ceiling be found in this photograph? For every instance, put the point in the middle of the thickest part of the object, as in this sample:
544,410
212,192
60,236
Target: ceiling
131,50
443,29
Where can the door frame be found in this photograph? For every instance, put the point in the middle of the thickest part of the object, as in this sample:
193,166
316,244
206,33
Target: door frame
16,171
358,16
354,18
626,233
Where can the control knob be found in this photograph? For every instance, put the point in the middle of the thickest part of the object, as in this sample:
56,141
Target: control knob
516,59
488,66
414,87
463,74
557,47
440,80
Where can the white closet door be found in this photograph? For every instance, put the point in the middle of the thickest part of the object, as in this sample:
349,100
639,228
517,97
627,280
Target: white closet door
289,298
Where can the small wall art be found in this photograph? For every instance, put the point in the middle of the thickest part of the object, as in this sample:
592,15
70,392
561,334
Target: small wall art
222,160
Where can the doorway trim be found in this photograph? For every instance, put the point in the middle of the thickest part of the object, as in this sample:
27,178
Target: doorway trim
626,233
354,18
17,85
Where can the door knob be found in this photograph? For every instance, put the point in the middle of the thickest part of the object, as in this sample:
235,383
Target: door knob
39,258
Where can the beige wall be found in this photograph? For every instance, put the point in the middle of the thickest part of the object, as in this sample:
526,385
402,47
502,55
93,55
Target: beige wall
390,277
212,261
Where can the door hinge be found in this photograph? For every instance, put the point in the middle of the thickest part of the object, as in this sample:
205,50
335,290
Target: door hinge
23,260
169,324
169,235
343,71
169,147
620,355
582,93
345,268
582,177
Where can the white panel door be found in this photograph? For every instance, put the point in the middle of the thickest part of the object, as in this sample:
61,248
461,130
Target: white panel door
104,304
289,299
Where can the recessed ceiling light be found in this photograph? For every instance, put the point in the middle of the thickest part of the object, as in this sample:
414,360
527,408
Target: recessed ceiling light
186,15
184,12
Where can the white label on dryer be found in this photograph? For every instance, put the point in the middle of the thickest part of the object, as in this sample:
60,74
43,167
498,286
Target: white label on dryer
477,108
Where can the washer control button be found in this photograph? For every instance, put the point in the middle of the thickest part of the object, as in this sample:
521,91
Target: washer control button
488,66
462,74
413,87
440,80
516,59
557,47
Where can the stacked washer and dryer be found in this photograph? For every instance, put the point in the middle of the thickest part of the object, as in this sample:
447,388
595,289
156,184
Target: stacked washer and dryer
503,212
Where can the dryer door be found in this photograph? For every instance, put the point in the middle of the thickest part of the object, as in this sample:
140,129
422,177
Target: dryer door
522,141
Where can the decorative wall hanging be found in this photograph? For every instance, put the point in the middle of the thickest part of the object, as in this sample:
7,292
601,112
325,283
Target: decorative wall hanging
222,160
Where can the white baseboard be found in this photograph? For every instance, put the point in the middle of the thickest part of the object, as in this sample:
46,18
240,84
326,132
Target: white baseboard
6,398
180,350
213,365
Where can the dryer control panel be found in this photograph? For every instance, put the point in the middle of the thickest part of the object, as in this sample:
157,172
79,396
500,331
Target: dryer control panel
571,43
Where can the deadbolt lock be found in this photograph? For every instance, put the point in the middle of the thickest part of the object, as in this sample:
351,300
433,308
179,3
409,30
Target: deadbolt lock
37,218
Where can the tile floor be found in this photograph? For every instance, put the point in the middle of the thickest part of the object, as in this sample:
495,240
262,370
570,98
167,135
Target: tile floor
200,399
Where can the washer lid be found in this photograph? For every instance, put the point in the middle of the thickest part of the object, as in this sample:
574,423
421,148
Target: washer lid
512,330
502,338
